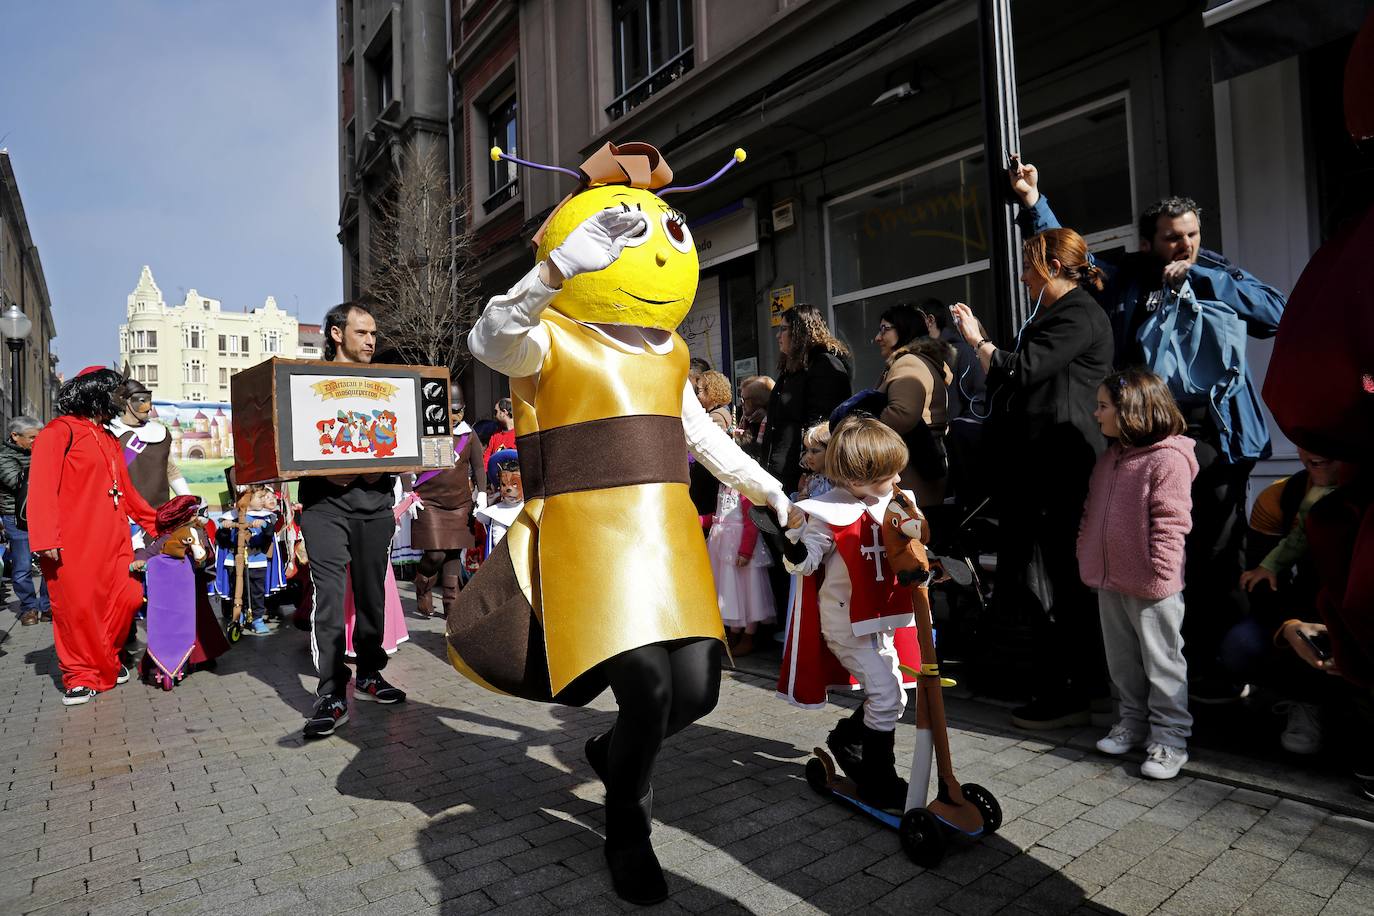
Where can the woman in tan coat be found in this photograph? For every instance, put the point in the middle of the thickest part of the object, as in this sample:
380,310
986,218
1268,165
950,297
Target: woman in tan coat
916,381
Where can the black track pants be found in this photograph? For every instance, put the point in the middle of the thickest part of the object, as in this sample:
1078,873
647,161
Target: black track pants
363,545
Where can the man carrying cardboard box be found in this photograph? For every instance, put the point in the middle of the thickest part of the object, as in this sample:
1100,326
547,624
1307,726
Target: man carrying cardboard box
347,524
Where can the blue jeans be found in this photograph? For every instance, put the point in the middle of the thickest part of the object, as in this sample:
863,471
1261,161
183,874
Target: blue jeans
30,599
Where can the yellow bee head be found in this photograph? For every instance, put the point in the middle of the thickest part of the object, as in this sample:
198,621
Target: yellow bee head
652,283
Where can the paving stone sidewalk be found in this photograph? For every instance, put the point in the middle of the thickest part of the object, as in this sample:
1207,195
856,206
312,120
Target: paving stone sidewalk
205,799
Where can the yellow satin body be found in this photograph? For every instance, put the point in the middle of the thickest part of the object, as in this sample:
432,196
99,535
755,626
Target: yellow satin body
612,569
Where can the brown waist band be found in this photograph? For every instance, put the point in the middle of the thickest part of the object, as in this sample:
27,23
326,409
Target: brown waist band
600,454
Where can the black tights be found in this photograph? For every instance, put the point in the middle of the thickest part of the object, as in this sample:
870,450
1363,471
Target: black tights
661,689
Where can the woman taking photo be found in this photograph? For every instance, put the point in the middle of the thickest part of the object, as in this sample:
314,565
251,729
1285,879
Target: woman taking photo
916,381
813,379
1042,439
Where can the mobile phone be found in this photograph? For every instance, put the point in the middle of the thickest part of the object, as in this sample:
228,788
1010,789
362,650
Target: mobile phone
1320,644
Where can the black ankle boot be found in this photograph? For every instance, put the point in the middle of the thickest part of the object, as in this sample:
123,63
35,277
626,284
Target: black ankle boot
879,784
596,749
846,743
635,873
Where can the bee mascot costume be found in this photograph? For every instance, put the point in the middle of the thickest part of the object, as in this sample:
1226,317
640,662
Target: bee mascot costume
603,579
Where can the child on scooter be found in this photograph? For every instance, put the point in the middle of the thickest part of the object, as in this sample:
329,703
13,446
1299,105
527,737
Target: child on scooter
855,602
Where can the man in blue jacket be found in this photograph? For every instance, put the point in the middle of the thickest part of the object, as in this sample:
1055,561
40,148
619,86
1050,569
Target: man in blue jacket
1172,272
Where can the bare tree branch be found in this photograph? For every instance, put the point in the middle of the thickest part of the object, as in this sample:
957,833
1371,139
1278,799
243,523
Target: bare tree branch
421,279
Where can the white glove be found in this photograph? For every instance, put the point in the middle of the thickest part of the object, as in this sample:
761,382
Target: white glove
596,243
789,516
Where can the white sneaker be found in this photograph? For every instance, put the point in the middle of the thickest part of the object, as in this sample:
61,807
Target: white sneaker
1120,740
1163,761
1304,732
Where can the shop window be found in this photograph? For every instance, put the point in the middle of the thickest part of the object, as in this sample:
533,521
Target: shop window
652,47
921,235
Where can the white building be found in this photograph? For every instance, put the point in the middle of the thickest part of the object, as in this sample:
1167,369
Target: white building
188,352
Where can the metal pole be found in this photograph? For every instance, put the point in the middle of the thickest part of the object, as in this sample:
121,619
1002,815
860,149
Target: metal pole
1001,138
16,397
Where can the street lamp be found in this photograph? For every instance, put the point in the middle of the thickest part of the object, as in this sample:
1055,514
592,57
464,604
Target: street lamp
15,327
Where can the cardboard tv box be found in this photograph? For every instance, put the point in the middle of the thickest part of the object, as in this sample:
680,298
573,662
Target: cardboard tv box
296,418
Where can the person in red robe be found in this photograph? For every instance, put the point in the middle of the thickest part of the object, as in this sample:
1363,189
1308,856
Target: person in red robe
80,502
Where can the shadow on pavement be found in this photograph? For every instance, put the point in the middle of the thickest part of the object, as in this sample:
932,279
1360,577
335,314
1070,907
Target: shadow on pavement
515,811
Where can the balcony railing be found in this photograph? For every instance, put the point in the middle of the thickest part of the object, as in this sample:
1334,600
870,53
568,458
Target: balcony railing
661,78
502,194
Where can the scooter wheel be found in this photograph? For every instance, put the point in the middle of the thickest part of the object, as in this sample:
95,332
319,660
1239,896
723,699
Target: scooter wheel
923,839
986,804
816,777
235,632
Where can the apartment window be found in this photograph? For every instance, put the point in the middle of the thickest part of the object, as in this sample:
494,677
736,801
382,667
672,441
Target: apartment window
233,345
271,341
145,341
383,89
652,42
196,396
223,377
150,375
193,372
193,337
502,180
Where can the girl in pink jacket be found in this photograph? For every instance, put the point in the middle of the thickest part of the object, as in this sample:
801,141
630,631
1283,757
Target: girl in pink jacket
1130,549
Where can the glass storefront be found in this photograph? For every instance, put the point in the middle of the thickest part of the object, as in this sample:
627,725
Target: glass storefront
921,235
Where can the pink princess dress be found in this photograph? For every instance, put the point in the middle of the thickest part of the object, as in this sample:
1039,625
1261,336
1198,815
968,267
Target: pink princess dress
394,630
742,592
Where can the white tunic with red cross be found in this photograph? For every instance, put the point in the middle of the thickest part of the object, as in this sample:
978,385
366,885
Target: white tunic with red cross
845,592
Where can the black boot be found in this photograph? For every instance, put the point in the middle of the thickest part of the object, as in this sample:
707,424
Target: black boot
879,784
597,749
635,872
846,743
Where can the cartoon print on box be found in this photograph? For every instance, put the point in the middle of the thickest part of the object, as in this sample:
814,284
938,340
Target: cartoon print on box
350,416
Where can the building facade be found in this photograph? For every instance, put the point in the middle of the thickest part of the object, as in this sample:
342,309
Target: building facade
23,284
392,94
865,183
188,352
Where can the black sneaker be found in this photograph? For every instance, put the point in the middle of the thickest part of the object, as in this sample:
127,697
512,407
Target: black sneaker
123,676
78,695
371,687
1051,712
329,714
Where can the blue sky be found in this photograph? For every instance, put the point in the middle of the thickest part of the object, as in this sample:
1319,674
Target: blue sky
196,137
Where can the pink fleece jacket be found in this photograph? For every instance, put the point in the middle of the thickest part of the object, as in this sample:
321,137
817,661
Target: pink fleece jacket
1138,513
